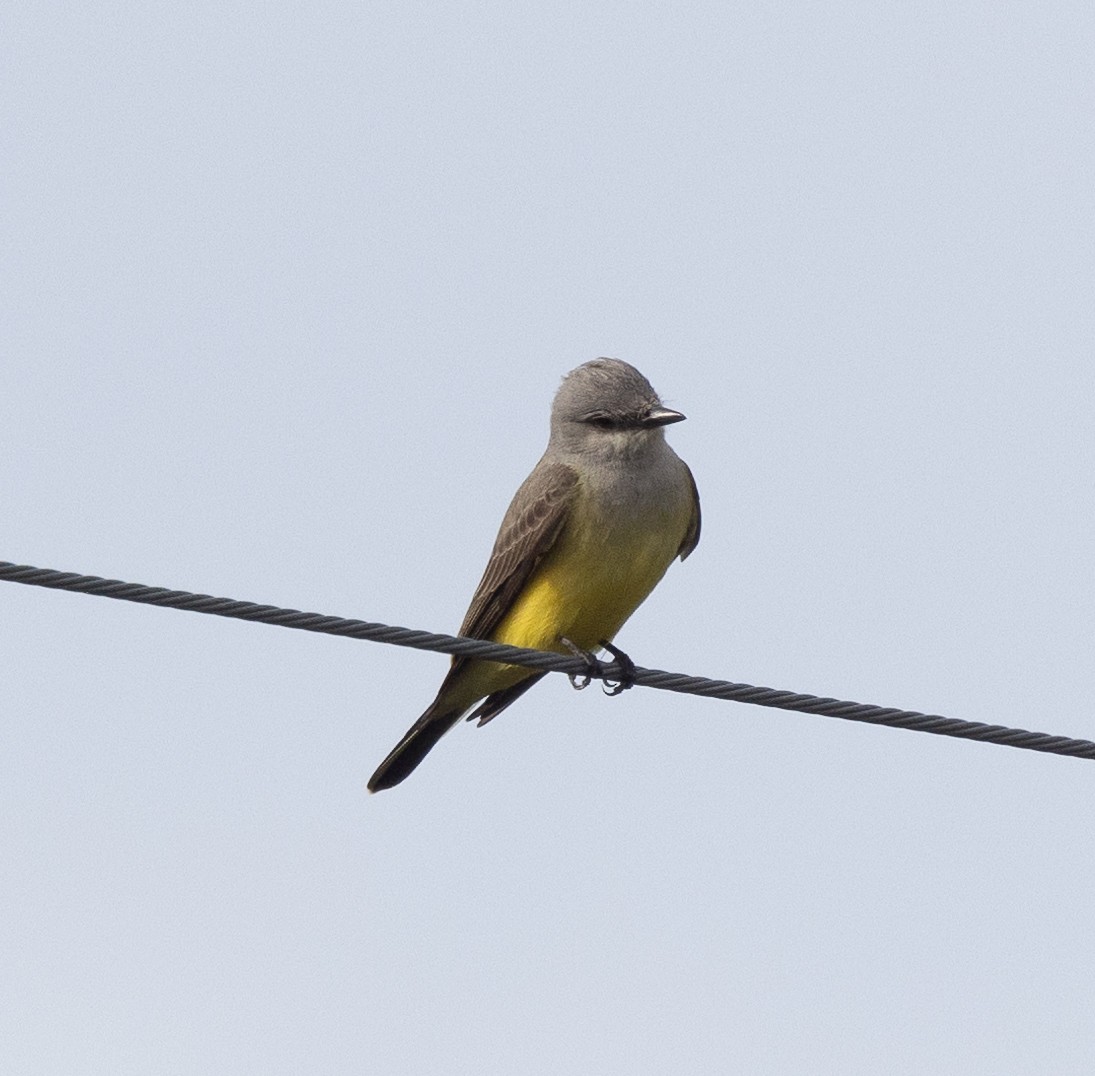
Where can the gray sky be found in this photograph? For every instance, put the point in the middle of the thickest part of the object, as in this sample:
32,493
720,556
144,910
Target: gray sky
287,294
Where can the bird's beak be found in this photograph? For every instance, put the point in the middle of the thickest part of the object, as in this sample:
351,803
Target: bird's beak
662,416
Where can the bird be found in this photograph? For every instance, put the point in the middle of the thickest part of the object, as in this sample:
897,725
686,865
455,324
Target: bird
588,535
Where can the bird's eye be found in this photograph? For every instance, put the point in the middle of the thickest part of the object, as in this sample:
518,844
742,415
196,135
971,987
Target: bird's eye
601,420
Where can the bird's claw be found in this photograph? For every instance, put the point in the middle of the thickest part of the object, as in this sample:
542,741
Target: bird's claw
595,668
627,671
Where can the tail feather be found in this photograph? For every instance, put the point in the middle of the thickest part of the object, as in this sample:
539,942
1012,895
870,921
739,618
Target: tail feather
413,748
434,723
494,704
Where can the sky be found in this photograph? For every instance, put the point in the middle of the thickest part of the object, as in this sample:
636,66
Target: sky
287,294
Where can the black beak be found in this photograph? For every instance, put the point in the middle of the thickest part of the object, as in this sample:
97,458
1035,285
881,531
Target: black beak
662,416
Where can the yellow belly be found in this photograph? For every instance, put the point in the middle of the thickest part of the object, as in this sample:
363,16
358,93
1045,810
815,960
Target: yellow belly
592,581
598,573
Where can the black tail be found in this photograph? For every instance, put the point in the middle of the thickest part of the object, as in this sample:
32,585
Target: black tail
413,748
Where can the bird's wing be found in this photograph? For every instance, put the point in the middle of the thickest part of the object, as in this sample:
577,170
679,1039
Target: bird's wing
692,535
532,523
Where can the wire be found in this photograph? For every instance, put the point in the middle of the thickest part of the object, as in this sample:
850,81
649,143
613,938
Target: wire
539,659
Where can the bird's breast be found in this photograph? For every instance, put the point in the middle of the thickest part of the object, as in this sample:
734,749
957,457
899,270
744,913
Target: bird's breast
619,539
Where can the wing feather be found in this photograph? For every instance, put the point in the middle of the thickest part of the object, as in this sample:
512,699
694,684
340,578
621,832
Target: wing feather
532,523
692,535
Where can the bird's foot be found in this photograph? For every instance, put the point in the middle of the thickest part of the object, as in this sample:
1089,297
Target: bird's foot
596,668
593,666
627,670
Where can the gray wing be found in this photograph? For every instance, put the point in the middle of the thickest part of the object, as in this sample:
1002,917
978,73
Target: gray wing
532,523
692,535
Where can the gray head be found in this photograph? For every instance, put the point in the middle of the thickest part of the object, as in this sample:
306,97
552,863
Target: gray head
608,406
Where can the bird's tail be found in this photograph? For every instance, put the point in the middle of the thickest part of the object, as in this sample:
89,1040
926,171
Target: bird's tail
414,747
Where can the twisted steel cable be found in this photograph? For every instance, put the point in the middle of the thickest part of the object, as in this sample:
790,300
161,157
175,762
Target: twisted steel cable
539,659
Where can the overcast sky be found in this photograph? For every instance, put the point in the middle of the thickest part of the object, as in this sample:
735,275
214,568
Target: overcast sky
287,293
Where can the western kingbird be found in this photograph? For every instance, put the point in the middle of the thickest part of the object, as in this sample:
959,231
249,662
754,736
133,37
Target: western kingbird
585,539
